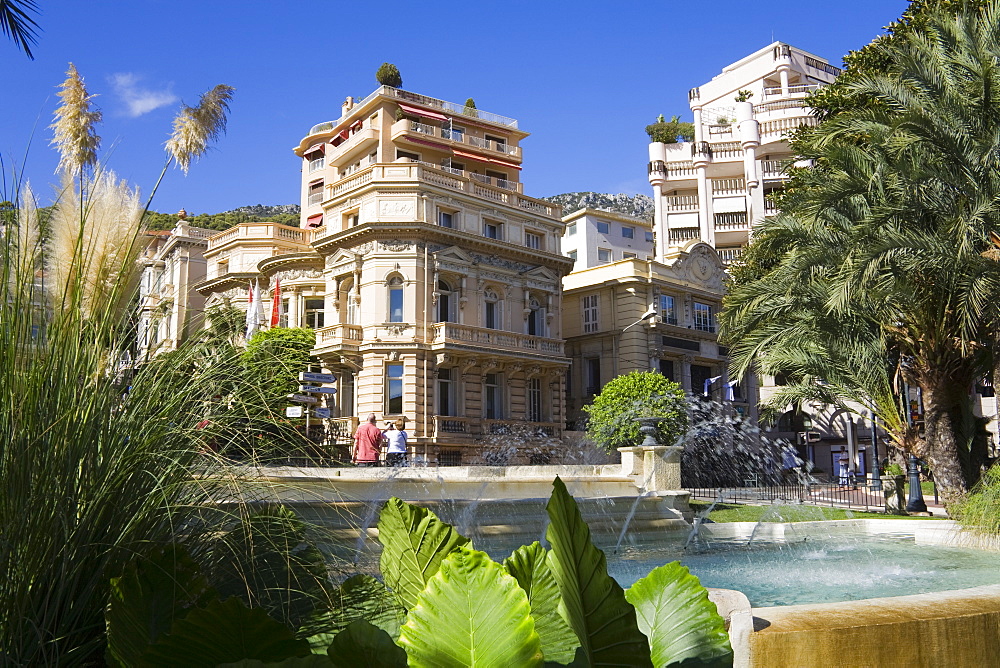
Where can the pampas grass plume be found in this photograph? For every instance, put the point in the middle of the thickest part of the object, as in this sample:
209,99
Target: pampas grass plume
195,127
75,134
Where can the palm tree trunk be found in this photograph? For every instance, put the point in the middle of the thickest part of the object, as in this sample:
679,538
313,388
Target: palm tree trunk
941,447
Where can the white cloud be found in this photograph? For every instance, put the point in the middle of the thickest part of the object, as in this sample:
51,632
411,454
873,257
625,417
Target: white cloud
139,100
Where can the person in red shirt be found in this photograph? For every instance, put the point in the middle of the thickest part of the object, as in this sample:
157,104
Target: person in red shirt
367,443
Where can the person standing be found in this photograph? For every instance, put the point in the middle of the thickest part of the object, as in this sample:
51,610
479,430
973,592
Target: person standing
367,441
396,440
843,467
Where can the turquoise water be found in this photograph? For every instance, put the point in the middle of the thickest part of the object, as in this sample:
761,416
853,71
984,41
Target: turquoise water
811,570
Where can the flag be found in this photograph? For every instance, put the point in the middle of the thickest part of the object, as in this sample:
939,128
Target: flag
276,303
255,311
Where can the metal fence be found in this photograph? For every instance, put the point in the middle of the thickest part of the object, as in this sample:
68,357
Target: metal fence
858,497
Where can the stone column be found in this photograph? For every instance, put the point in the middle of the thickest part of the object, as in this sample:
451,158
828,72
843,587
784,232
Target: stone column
661,467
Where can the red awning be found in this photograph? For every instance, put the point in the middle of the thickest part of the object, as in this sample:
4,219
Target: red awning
315,220
472,156
356,125
422,112
315,181
509,165
440,147
321,147
345,133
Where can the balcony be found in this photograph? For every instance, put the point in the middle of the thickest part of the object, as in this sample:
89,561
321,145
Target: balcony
774,169
728,187
682,234
411,172
800,90
680,203
262,231
316,165
784,126
493,340
731,222
451,425
339,335
730,255
405,128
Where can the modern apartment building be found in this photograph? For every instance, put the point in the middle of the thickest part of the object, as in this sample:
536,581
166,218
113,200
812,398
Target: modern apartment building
170,307
594,237
717,187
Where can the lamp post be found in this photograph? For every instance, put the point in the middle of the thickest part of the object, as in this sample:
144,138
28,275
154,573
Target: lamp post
876,472
915,502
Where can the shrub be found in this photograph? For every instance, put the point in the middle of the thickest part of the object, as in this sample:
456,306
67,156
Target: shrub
612,417
388,75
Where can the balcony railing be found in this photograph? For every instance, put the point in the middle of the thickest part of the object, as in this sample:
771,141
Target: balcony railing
457,136
445,425
339,334
681,203
316,165
731,221
774,169
343,428
729,186
727,149
682,234
417,171
801,89
450,332
778,105
729,255
314,198
681,169
784,126
259,231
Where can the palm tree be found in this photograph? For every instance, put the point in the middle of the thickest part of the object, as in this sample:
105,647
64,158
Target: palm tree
913,178
17,24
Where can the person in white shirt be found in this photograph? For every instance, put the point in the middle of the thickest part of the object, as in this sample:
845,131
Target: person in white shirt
396,441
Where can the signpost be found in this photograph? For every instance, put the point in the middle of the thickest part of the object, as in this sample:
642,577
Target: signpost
308,377
303,399
317,390
293,411
321,413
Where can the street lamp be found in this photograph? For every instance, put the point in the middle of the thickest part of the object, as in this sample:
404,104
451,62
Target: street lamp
650,312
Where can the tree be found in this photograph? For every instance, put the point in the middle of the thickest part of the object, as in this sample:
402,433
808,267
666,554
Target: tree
670,132
470,108
388,75
18,25
612,417
913,176
275,357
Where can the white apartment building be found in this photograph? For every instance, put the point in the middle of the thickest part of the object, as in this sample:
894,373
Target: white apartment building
594,237
716,188
170,308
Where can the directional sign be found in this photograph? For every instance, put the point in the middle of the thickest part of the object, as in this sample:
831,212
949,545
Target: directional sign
293,411
307,377
317,390
303,399
321,412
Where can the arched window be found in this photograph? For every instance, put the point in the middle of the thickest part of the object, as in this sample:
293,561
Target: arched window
395,284
493,310
446,302
349,298
535,325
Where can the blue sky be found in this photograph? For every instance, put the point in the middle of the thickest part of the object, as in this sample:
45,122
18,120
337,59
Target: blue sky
583,78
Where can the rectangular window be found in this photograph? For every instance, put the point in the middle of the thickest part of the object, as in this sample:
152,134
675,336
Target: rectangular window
649,237
593,375
492,315
314,313
700,375
603,228
315,193
628,232
668,313
446,219
499,143
532,240
703,319
492,230
667,369
590,313
283,314
446,392
534,400
629,256
491,397
396,299
571,229
394,389
455,133
603,255
406,154
571,255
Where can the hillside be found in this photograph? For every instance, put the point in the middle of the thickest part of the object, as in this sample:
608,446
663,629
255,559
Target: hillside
638,206
287,214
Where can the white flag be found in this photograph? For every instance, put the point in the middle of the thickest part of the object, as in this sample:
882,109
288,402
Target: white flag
255,311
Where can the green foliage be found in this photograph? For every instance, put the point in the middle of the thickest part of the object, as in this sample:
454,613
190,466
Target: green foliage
529,565
388,75
980,512
470,108
743,95
17,23
893,469
414,543
592,603
223,632
148,598
274,358
674,612
362,645
612,417
472,613
216,221
359,597
668,132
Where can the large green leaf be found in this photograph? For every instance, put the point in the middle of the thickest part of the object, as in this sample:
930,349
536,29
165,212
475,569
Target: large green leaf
362,645
223,632
472,613
592,602
359,597
152,593
529,566
414,543
675,614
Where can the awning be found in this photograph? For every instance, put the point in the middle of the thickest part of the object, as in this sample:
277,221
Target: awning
315,220
356,126
472,156
345,133
315,181
440,147
502,163
321,147
422,112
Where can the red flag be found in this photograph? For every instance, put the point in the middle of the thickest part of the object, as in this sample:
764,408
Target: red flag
276,303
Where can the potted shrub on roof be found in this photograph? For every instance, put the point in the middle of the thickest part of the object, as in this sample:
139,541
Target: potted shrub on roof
388,75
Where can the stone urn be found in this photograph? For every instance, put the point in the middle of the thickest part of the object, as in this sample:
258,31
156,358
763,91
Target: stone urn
892,490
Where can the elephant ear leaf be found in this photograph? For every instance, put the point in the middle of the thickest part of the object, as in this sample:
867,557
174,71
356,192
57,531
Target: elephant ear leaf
529,566
681,623
414,543
592,602
472,613
224,632
152,593
362,645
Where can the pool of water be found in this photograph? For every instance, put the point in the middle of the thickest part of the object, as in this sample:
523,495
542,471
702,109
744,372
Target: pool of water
810,569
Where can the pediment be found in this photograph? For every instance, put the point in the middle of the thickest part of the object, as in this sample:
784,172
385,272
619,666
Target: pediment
453,254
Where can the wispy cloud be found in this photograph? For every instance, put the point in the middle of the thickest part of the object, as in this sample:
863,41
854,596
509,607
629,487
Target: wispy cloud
138,99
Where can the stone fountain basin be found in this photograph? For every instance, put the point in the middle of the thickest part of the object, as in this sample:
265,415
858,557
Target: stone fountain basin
954,628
